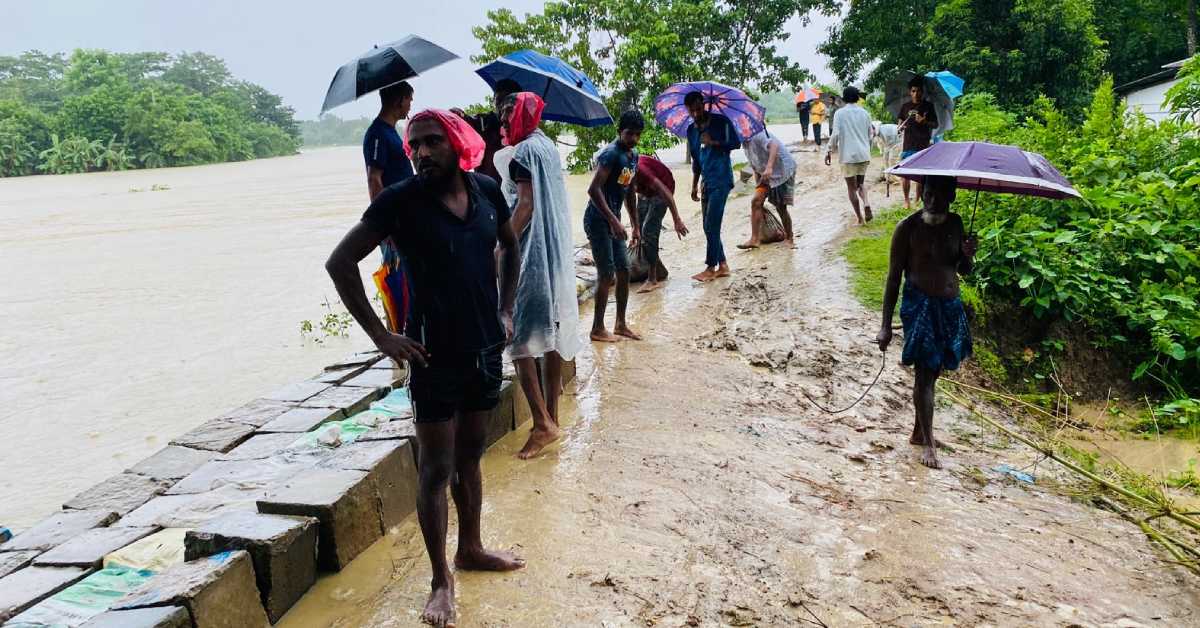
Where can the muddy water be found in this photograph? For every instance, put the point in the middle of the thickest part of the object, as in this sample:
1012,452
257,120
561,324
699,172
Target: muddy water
131,314
695,486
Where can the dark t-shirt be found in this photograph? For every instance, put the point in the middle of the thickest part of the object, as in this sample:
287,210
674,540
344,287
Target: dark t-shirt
650,169
519,173
917,136
451,262
622,166
383,149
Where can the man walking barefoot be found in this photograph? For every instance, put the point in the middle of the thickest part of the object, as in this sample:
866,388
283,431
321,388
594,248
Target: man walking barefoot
711,137
917,121
774,179
546,317
611,186
851,137
930,251
446,222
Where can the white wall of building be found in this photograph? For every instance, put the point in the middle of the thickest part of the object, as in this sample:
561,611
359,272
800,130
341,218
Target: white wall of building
1150,100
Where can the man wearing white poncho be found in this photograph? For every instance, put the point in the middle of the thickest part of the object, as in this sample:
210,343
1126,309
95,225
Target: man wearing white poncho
546,316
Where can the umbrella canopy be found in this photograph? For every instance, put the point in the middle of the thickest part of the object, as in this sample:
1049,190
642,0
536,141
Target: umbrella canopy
748,117
383,66
570,96
988,167
940,91
807,93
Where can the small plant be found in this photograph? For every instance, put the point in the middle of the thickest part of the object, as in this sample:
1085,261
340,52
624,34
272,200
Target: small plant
334,324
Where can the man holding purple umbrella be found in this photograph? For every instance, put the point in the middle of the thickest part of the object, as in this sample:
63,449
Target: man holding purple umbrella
930,249
711,138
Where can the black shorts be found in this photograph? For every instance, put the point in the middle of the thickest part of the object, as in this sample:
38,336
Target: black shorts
456,382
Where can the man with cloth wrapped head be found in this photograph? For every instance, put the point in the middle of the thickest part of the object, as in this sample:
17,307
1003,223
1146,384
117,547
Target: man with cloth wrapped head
446,222
546,317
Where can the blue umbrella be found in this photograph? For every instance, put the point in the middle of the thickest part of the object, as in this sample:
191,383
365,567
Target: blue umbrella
569,94
747,116
951,84
382,66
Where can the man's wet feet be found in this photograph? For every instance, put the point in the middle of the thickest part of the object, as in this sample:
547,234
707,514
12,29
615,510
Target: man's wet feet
439,610
538,440
929,458
624,330
748,245
603,335
487,560
791,243
722,271
867,211
649,286
704,276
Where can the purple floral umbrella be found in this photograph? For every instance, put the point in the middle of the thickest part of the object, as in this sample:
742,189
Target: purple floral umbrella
981,166
747,116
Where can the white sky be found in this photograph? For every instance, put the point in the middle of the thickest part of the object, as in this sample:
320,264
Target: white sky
293,48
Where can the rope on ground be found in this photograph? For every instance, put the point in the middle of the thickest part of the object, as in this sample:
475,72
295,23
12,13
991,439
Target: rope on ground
882,364
1159,509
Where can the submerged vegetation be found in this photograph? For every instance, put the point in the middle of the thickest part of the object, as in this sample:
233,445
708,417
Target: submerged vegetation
99,110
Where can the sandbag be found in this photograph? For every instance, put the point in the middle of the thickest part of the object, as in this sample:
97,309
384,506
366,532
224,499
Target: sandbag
639,268
770,229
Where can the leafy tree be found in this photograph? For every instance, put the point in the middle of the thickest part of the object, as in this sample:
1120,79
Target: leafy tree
330,130
90,69
1140,35
17,154
882,31
34,77
632,50
1184,97
101,112
198,71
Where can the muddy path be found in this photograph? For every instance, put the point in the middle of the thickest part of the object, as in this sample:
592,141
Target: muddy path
696,486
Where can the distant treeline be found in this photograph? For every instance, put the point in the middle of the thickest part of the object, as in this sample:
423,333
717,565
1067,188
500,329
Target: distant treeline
100,110
330,130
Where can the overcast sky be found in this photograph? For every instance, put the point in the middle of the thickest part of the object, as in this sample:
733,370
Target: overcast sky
293,48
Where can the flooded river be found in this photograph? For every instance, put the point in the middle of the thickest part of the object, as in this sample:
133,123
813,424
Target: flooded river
139,304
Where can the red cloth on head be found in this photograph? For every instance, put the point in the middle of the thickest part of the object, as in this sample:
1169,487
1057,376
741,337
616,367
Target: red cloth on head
525,118
465,141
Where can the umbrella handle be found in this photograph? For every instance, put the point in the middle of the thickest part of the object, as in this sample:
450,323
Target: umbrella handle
975,208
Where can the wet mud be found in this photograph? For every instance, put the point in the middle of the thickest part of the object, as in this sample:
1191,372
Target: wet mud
696,486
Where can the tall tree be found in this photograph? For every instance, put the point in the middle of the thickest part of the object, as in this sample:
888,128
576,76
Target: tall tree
198,71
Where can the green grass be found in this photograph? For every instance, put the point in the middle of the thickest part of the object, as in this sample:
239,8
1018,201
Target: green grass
867,254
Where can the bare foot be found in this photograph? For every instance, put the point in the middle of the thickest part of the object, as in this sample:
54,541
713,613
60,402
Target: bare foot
867,211
604,336
907,204
791,243
929,458
723,271
750,244
649,286
538,440
624,330
704,276
487,560
916,440
439,610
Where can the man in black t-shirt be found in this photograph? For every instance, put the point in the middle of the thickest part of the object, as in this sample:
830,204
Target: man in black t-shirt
917,121
447,222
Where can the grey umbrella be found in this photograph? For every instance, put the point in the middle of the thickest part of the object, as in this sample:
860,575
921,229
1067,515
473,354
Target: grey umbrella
382,66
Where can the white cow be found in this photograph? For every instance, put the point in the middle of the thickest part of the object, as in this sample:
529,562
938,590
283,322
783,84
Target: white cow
887,139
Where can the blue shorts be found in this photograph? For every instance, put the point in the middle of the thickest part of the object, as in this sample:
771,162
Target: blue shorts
909,153
609,254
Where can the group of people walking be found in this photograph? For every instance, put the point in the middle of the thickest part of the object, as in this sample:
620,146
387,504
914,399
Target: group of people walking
475,209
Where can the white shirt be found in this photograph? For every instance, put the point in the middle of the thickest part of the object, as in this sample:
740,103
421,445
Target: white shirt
851,135
758,149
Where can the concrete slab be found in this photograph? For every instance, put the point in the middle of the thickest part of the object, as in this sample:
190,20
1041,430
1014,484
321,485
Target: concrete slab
283,550
258,412
261,446
159,617
219,592
156,553
403,429
500,419
299,420
172,462
189,511
88,549
26,587
297,392
242,474
344,502
339,374
58,529
391,469
350,399
388,364
361,358
120,493
219,435
375,378
12,561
